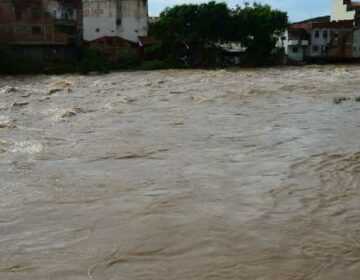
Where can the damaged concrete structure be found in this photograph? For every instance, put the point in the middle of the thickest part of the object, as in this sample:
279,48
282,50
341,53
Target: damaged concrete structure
41,29
127,19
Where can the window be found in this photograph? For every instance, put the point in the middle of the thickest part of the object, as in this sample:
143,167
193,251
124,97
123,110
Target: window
64,15
36,30
317,34
295,49
36,14
315,48
325,34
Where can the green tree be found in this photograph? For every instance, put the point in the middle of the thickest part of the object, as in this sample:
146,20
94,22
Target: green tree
258,27
195,32
94,60
191,31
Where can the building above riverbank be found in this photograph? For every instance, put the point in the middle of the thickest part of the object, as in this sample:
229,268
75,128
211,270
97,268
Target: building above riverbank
325,40
41,28
127,19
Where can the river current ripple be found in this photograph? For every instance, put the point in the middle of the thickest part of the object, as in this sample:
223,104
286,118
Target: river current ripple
181,174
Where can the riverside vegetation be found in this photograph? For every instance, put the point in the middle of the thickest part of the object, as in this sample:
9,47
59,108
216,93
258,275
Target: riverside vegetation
188,35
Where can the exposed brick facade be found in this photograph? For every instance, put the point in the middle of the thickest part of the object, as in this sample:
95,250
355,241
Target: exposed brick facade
40,22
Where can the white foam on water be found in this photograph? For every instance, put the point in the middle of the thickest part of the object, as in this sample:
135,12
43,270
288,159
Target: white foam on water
7,89
26,147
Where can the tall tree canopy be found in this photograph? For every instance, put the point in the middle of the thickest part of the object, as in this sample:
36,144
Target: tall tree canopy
197,30
258,28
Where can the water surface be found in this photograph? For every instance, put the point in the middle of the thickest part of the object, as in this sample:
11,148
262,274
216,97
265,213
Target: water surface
166,175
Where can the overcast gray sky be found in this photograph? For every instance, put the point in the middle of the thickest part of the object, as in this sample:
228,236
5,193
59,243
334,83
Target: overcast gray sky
297,9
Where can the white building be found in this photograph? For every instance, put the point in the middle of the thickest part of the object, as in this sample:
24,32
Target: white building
127,19
295,44
320,39
339,11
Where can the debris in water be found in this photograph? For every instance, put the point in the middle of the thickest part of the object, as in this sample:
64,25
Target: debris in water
19,104
67,114
62,114
339,100
357,99
54,90
4,124
177,123
63,83
59,86
127,99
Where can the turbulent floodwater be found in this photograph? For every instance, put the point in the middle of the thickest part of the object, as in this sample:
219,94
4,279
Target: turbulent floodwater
241,174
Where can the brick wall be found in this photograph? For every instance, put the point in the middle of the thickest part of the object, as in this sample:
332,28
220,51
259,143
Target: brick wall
29,22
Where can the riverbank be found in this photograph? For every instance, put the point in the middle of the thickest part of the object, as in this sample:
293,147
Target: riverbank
94,63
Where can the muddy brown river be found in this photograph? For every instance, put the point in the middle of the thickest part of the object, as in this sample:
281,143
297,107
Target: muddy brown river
180,174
